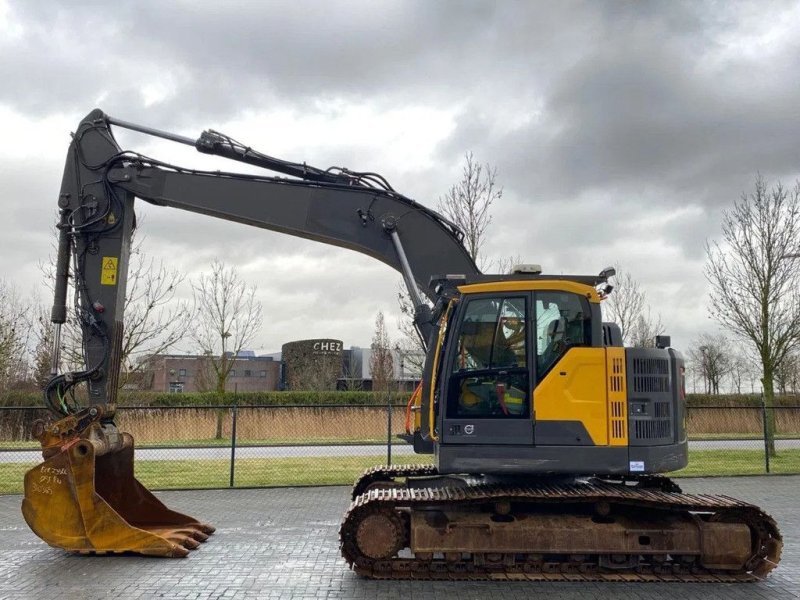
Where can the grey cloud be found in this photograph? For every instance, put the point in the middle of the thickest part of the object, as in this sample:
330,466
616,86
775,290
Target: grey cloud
648,106
251,54
598,115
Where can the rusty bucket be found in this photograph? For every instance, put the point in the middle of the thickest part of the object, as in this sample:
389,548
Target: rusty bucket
85,498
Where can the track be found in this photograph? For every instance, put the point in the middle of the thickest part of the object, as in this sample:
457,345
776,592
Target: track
378,524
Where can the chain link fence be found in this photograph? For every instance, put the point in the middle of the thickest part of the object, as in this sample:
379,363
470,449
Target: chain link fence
734,440
246,446
241,445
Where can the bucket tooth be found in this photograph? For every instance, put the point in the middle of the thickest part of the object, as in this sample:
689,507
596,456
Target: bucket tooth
85,498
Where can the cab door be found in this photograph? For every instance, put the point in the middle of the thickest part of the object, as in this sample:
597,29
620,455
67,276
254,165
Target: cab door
487,385
570,401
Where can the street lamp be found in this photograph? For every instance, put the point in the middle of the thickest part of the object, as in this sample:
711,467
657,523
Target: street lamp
704,368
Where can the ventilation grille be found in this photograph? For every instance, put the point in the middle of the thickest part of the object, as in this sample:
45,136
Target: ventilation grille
647,430
661,410
650,397
617,403
650,375
617,409
615,382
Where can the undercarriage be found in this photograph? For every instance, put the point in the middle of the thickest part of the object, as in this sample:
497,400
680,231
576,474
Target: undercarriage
409,522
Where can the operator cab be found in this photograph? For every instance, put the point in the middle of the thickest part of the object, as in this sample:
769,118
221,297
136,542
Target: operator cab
508,337
529,381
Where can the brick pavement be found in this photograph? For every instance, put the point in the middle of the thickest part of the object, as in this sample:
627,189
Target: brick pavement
283,543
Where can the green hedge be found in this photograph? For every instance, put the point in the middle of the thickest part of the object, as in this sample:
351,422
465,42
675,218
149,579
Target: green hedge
262,398
335,397
191,399
21,399
737,400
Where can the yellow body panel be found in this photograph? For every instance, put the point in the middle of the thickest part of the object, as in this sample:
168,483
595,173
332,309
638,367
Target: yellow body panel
415,408
435,370
532,285
575,390
617,397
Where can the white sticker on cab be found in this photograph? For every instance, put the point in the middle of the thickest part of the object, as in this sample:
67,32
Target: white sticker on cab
637,466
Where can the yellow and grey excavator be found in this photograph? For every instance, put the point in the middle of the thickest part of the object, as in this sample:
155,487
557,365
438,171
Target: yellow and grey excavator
550,439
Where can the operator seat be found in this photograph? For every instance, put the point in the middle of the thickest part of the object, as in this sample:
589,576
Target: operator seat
555,345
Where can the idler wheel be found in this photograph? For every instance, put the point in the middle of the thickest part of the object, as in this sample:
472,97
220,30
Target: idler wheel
380,535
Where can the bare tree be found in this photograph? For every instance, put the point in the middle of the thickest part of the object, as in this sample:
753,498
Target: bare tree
506,264
625,303
228,318
14,331
467,203
409,342
710,355
381,364
352,376
204,379
42,350
787,375
741,371
754,281
627,307
153,321
645,330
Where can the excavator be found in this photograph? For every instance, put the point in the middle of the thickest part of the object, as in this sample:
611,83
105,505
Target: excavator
550,439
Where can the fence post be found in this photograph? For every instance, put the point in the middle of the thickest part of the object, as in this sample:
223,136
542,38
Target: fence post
234,414
766,437
388,427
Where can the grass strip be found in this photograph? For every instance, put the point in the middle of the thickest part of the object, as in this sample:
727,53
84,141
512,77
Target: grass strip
339,440
273,472
240,442
705,463
249,472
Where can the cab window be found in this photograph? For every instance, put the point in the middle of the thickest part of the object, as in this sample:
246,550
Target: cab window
489,374
563,321
492,335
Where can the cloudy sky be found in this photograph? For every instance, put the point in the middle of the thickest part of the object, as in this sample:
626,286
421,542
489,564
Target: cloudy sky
619,130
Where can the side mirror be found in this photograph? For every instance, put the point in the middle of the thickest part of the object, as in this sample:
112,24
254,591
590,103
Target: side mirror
607,272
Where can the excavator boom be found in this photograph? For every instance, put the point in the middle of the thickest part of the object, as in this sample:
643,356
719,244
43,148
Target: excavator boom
84,496
96,202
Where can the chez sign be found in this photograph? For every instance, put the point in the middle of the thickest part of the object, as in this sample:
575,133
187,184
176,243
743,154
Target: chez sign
327,346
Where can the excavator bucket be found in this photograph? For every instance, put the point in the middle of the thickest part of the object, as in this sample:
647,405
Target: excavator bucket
85,498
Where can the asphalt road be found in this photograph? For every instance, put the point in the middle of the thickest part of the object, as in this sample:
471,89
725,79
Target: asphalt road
211,453
224,452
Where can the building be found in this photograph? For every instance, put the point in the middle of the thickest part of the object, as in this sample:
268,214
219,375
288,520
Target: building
356,372
317,364
311,364
192,373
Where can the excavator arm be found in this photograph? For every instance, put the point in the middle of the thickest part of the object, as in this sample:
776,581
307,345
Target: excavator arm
354,210
84,496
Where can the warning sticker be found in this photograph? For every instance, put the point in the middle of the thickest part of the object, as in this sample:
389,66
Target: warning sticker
108,276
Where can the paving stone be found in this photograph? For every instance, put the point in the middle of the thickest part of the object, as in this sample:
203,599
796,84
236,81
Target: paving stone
283,543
